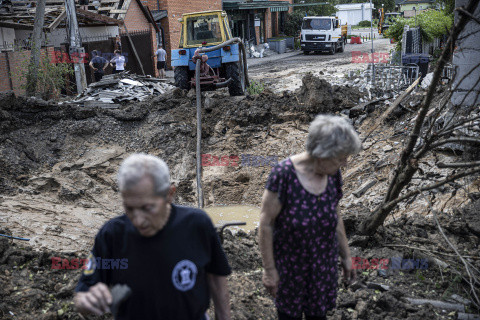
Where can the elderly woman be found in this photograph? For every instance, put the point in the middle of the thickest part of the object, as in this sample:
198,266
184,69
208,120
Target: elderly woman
301,228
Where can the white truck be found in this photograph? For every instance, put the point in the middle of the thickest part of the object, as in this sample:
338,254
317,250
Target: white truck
322,34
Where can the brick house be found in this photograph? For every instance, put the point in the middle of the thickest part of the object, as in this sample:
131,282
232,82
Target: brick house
257,21
166,14
98,27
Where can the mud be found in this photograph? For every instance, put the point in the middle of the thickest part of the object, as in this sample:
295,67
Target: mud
57,187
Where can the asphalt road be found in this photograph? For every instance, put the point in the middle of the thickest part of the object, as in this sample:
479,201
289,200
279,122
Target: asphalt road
296,58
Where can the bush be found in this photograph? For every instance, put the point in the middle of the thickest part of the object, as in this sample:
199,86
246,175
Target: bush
364,24
255,87
433,24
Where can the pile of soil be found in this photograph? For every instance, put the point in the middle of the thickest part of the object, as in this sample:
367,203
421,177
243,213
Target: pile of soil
58,186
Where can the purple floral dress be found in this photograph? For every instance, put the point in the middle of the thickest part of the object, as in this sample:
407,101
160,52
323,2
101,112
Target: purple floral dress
305,243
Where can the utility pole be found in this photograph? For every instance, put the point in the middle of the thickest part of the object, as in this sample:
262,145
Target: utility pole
36,47
76,49
371,38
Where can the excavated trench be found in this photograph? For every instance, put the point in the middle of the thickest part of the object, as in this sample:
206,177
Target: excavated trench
57,187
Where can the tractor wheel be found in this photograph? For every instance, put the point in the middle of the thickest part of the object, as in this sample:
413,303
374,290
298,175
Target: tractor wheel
342,47
182,80
237,86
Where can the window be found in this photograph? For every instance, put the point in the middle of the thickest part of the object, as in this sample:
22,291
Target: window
203,30
227,29
317,24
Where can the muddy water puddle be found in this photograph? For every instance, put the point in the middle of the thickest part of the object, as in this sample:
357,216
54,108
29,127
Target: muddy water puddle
225,214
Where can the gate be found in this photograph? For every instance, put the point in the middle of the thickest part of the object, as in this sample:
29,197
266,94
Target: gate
143,44
104,48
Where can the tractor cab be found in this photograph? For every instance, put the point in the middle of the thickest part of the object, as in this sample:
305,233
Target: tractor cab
204,29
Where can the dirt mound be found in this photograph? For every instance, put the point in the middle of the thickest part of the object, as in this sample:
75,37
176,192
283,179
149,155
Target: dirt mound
320,96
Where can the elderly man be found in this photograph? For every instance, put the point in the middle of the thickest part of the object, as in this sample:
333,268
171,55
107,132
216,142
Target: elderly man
169,255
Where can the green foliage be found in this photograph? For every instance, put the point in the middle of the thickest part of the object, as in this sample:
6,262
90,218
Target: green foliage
255,87
51,77
297,44
364,24
433,23
294,19
294,23
448,6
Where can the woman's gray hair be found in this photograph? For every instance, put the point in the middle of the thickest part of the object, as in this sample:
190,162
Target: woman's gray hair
139,165
331,137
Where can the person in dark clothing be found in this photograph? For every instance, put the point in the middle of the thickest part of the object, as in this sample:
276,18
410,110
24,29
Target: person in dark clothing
301,230
98,65
170,256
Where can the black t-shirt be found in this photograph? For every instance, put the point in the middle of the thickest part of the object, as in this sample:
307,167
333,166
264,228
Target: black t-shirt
98,62
166,272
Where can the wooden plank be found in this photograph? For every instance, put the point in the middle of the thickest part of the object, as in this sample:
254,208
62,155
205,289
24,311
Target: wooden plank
14,25
118,11
57,21
98,17
106,8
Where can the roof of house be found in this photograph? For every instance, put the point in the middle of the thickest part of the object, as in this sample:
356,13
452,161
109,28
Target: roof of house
20,14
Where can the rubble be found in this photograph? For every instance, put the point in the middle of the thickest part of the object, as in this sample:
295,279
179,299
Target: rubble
119,88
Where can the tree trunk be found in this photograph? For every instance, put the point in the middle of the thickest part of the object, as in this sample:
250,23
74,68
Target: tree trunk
36,46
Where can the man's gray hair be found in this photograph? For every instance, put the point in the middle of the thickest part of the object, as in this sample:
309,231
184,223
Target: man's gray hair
331,137
139,165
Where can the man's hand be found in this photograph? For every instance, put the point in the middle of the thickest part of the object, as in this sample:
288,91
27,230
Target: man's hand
349,274
270,281
95,69
96,300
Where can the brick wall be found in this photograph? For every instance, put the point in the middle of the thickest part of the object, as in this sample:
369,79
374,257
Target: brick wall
135,19
18,61
175,9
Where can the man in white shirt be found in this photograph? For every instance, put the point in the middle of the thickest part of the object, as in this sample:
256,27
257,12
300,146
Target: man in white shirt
161,58
119,61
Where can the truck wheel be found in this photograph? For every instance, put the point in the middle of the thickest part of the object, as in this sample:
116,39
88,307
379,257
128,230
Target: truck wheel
306,53
182,80
342,47
237,86
334,49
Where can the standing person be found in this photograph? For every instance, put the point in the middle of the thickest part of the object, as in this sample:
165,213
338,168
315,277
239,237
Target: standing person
161,58
172,257
118,43
98,65
301,228
119,62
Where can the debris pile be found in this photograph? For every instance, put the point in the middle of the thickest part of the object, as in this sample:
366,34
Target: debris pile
120,88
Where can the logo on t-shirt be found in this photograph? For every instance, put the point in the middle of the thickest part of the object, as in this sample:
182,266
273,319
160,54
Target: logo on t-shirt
91,265
184,275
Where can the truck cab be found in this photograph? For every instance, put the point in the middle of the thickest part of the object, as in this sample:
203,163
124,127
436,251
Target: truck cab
322,34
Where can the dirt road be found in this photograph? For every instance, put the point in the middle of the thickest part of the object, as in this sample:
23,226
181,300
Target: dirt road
286,73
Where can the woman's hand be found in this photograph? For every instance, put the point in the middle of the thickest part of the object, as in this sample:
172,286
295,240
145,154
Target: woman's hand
270,281
349,274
